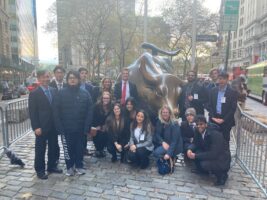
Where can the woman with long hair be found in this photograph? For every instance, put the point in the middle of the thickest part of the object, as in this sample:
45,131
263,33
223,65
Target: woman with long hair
140,143
130,109
118,129
168,140
101,111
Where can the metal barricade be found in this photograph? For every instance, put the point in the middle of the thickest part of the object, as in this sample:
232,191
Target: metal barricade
2,130
15,122
251,147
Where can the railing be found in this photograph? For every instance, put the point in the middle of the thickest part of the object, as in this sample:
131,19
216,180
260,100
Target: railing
251,143
14,120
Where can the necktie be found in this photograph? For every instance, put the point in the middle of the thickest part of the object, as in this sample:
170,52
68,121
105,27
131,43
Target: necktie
123,94
59,86
48,95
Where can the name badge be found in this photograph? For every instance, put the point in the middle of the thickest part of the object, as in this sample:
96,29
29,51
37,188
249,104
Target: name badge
142,137
223,100
195,96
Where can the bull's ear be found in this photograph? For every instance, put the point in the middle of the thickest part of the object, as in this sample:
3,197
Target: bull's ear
149,76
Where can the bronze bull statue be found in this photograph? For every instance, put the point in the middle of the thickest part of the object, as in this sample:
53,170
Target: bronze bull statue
155,84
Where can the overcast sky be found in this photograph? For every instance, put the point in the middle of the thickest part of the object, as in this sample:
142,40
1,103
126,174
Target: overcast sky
47,43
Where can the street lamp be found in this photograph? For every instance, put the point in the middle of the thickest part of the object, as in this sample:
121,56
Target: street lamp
193,62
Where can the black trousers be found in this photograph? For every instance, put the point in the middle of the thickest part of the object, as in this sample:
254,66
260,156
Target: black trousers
213,166
100,140
40,149
113,151
57,151
140,157
84,143
73,149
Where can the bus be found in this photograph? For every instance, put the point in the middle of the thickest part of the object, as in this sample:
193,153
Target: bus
257,80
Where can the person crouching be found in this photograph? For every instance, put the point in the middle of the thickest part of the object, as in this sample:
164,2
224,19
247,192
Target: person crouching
209,151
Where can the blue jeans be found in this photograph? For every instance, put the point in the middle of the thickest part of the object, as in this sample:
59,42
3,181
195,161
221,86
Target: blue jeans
159,152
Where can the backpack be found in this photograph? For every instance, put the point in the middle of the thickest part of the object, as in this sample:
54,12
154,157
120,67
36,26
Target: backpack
165,166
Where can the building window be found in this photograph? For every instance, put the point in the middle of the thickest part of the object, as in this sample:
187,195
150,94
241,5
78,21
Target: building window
239,43
234,45
241,32
241,21
239,53
234,54
235,34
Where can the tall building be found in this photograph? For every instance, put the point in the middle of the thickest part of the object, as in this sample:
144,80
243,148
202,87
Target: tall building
5,53
249,43
23,27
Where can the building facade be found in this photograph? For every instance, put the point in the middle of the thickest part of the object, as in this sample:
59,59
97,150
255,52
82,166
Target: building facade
5,47
249,43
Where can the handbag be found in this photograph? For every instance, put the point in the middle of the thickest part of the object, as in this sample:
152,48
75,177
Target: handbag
165,166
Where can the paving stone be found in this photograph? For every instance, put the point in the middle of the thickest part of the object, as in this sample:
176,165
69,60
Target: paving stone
105,180
75,191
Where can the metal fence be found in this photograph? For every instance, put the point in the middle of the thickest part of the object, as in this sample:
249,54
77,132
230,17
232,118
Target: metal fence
14,120
251,147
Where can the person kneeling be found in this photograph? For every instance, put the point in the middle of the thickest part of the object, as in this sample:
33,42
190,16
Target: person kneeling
209,151
141,144
167,138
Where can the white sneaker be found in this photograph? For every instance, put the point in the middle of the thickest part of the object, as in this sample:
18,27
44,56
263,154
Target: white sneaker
70,172
80,171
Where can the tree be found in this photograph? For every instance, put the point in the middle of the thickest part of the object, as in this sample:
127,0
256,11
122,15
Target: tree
178,14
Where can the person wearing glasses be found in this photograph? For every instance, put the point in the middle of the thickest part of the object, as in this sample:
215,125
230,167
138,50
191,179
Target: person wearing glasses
209,151
73,109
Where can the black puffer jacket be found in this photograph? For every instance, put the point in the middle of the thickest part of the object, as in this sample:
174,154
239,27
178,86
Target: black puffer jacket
73,110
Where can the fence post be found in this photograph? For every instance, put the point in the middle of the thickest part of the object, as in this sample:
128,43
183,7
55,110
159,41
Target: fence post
3,121
6,127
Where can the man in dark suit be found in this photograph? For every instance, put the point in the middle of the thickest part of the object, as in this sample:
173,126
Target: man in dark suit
209,151
125,88
41,117
58,83
222,105
193,95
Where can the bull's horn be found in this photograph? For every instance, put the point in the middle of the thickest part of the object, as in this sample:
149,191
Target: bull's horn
156,50
149,77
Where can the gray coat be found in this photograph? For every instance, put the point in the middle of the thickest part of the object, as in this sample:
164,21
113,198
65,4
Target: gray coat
147,142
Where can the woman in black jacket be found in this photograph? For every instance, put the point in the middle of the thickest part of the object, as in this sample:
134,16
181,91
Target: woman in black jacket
130,109
101,111
167,137
118,129
73,118
140,143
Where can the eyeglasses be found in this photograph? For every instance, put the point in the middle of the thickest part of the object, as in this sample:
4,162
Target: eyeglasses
200,124
72,77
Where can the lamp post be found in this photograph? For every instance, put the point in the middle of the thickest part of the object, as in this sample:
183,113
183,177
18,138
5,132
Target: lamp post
193,59
145,20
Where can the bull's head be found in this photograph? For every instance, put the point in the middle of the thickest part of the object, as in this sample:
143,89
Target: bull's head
155,87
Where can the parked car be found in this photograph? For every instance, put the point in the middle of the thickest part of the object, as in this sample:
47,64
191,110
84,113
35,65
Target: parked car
23,90
33,86
11,94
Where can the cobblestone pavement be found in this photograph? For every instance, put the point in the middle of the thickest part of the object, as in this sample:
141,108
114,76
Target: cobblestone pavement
106,180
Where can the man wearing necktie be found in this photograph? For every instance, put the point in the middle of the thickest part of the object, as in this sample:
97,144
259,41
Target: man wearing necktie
209,151
125,88
58,83
41,116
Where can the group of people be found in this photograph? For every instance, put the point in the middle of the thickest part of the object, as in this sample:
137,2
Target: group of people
113,117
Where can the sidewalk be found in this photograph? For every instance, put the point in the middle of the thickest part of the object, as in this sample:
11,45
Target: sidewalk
105,180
